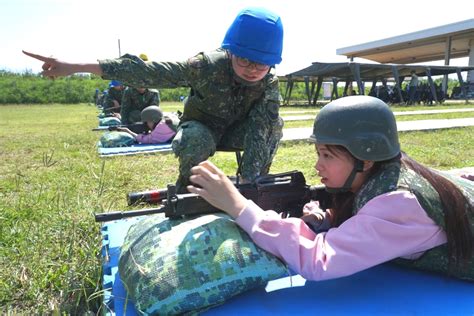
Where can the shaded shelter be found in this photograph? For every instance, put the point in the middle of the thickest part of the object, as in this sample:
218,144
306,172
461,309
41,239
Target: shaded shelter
348,72
443,42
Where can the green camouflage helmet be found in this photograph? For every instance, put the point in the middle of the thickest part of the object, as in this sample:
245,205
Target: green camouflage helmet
363,125
152,113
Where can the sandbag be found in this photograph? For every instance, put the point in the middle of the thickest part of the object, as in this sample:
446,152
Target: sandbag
109,121
116,139
187,266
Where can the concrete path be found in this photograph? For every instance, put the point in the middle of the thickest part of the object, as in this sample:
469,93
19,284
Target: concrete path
302,133
432,111
298,118
307,117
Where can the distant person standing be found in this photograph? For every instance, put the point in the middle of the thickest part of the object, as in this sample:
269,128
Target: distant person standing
134,100
113,100
412,88
96,97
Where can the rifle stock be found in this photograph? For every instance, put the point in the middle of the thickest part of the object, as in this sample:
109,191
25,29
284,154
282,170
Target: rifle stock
284,193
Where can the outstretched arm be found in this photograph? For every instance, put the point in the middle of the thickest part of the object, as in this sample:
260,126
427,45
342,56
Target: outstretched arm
53,67
216,188
124,129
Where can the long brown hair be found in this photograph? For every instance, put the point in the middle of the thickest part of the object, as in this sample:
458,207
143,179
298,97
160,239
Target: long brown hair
456,207
457,212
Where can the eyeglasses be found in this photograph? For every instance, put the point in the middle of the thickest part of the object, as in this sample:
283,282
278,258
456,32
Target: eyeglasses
244,62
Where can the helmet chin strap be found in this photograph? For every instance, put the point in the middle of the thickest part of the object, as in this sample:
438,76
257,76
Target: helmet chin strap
358,167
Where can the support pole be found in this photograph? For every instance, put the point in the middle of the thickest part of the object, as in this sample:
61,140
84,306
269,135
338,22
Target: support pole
313,86
291,83
285,97
346,86
432,87
461,83
447,57
308,93
318,90
334,88
396,76
355,69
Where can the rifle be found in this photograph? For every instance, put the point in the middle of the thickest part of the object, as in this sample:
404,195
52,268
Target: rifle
156,196
284,193
137,128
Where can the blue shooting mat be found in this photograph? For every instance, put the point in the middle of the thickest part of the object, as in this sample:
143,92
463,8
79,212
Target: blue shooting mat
382,290
134,150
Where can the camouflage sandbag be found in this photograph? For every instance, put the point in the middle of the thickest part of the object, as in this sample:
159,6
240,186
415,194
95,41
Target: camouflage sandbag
187,266
109,121
116,139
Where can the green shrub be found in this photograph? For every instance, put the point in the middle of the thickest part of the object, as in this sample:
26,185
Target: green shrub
29,88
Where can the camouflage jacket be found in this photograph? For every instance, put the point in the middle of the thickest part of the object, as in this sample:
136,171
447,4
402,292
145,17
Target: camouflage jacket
216,98
395,177
113,94
133,100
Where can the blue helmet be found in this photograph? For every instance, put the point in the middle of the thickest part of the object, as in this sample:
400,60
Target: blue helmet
256,34
115,83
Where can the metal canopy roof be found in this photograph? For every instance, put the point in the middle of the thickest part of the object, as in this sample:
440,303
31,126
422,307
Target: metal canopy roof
421,46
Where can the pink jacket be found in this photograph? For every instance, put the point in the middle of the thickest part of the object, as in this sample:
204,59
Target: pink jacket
162,133
389,226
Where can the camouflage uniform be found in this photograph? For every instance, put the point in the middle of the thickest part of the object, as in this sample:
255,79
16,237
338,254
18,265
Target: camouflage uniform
393,177
112,95
219,111
133,102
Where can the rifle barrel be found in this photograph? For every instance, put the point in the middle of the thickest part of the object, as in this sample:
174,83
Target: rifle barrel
111,216
150,197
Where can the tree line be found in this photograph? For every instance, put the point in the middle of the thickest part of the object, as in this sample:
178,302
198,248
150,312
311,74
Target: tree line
29,88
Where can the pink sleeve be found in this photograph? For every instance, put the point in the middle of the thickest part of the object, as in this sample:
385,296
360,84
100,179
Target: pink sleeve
160,134
389,226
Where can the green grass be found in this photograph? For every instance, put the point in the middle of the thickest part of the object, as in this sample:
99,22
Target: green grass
52,181
398,108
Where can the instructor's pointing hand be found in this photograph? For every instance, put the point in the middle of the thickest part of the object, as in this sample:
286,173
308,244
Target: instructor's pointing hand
53,67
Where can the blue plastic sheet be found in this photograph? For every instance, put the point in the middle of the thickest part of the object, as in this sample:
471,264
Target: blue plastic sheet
382,290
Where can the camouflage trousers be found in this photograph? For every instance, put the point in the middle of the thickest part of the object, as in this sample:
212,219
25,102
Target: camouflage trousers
195,142
134,116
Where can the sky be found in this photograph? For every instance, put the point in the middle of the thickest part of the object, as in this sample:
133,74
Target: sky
174,30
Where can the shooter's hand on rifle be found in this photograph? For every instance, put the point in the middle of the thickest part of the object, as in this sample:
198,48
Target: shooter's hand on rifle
216,188
53,67
316,218
122,129
126,130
